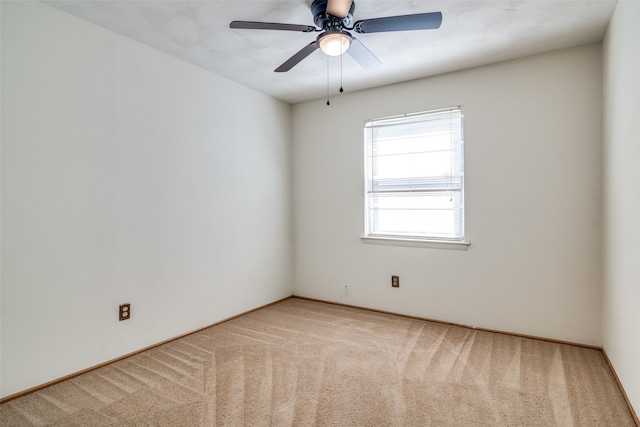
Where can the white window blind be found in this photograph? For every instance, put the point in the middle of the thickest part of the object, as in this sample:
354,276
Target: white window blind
414,176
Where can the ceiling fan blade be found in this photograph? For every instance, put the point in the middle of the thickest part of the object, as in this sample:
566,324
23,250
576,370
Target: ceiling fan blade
339,8
295,59
420,21
363,56
251,25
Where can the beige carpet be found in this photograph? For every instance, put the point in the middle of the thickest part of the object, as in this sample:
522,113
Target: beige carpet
303,363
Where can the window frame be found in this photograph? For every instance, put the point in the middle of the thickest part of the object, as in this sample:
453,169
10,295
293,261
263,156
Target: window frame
417,240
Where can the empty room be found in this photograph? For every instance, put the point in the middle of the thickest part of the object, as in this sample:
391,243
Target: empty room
329,212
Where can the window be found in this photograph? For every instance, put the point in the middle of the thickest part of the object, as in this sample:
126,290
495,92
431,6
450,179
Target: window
414,177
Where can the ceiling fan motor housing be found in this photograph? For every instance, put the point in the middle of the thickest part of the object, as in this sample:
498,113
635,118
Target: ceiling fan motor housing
323,20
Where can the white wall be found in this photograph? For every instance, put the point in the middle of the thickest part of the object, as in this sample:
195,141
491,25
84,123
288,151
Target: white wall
533,131
621,289
128,176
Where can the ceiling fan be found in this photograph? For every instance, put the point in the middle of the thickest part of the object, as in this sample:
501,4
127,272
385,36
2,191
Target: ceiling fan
332,19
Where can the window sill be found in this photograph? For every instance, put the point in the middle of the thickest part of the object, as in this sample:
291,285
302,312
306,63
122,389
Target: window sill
415,242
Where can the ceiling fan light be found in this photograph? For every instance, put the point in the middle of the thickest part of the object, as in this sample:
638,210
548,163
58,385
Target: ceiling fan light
334,43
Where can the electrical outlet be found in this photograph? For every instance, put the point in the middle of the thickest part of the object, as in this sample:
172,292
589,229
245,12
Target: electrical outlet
125,311
395,281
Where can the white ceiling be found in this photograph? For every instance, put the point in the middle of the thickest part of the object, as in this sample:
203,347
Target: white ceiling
473,33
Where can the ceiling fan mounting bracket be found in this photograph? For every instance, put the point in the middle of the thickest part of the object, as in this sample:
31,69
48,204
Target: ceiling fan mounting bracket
324,20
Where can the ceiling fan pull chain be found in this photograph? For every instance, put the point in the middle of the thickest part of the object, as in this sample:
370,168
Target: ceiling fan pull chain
328,102
341,90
